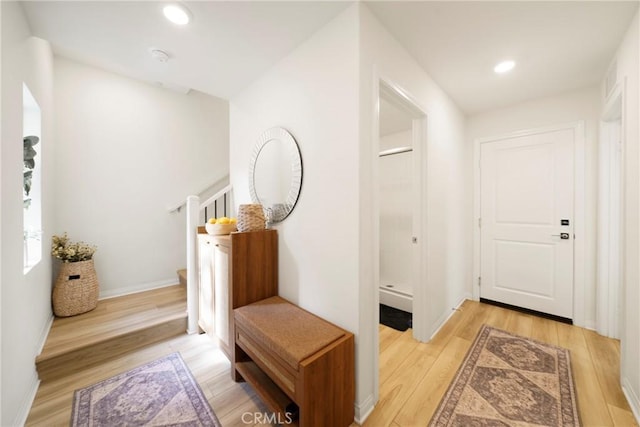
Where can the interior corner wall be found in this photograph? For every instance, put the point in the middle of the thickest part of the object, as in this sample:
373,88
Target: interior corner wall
26,298
313,93
628,68
126,152
0,224
446,187
580,105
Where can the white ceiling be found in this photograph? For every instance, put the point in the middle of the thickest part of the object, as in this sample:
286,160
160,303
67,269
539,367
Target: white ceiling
559,46
227,45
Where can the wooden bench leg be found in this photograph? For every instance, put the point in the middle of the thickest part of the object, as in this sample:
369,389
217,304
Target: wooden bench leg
327,385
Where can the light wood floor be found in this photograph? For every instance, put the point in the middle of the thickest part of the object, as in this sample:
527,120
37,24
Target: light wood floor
413,376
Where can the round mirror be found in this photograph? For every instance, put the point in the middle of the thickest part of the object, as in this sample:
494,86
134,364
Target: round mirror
275,174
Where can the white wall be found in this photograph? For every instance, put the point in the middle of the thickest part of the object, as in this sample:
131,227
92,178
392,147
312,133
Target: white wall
582,105
313,93
26,299
628,59
446,188
127,151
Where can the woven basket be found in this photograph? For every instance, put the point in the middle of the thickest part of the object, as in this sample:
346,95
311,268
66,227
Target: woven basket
250,218
76,289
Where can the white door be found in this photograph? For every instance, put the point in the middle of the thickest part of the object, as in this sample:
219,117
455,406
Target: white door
526,206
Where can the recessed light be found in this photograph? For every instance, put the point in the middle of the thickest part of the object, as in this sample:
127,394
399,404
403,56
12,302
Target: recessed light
504,67
177,14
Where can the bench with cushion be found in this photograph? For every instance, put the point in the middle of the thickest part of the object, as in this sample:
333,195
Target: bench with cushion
299,364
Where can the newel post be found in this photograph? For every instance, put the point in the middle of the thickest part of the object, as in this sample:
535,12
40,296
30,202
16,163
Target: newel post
193,213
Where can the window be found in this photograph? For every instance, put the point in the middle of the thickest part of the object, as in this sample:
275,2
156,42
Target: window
32,179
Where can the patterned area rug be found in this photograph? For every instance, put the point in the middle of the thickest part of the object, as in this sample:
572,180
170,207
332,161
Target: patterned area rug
162,392
507,380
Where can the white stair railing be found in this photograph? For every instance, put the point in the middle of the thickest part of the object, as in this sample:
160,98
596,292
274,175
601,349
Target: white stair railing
195,209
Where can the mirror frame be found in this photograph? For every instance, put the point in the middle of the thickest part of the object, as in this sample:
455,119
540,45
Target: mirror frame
281,134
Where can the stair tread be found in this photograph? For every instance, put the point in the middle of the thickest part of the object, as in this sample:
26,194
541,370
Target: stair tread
114,317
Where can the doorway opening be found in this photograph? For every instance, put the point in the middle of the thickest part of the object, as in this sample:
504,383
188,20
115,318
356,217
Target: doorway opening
399,164
407,145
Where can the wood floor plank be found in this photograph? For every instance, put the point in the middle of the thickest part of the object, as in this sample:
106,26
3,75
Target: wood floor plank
424,400
571,337
397,389
607,353
477,316
498,317
544,330
591,403
392,357
520,324
622,417
387,337
455,326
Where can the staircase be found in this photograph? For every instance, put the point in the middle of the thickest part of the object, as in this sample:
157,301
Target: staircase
182,276
117,326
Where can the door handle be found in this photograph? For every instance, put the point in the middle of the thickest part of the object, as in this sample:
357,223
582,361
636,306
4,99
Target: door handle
562,236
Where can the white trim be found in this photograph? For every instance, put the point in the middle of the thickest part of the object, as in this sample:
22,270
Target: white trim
371,330
579,229
610,232
193,292
579,267
444,318
632,398
177,207
45,333
27,402
364,409
210,200
396,299
141,287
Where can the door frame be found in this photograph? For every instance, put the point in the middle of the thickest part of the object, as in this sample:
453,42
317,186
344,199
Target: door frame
383,84
610,223
402,99
579,252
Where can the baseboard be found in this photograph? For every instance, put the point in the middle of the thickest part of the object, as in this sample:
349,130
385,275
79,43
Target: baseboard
120,292
589,324
45,334
444,318
364,409
25,408
632,398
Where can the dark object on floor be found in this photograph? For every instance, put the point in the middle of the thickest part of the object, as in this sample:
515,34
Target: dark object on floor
528,311
394,318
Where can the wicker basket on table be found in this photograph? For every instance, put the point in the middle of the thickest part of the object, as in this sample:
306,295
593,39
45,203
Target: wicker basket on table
250,218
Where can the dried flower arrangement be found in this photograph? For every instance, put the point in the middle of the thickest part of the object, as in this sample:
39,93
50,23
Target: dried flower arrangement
68,251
